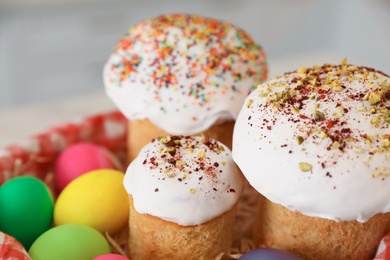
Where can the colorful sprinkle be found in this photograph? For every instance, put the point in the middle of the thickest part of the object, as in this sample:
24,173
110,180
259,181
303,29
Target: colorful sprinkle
200,58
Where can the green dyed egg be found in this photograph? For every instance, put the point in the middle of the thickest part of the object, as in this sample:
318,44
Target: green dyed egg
26,209
70,241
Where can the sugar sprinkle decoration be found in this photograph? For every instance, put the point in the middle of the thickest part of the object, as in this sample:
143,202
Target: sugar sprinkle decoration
191,47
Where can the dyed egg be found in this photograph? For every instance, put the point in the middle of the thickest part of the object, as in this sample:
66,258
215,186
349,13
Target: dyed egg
110,257
269,254
69,242
26,209
78,159
96,199
10,248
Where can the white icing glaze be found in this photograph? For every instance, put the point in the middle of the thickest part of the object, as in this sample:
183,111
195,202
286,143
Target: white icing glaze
186,188
349,175
183,72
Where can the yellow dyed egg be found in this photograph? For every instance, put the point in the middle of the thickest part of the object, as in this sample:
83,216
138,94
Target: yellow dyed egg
97,199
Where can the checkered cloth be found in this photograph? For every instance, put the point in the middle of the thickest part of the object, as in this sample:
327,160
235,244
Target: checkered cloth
35,155
11,249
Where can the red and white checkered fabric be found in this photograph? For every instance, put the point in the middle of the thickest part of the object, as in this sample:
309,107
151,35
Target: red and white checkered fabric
35,155
11,249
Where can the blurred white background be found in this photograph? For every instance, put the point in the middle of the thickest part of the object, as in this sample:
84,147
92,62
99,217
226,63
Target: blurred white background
55,49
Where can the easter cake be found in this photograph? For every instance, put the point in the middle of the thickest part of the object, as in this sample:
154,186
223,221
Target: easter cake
183,193
316,144
182,74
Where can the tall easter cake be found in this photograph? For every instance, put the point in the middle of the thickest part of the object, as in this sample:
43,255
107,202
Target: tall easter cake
182,74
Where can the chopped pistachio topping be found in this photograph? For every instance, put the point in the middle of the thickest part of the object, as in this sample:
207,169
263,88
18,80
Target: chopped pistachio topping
169,172
263,94
344,70
327,81
318,115
164,139
337,114
385,142
323,135
374,98
353,68
304,166
201,153
323,85
302,70
300,139
335,145
375,121
296,110
362,109
168,149
358,149
336,87
179,162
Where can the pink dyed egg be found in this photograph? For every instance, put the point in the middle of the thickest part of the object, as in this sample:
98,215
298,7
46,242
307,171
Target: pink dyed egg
110,257
10,248
78,159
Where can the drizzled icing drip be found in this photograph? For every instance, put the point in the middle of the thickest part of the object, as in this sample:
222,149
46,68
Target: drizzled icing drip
188,180
183,72
322,135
